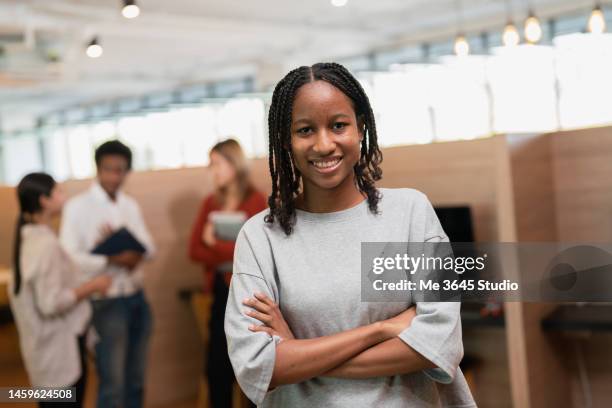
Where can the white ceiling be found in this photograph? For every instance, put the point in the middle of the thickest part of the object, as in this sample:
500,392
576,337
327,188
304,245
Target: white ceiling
176,42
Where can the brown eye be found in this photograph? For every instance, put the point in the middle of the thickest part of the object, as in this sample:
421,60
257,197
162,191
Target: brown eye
304,130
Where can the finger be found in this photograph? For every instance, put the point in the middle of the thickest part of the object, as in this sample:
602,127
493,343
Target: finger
264,318
262,328
264,298
257,305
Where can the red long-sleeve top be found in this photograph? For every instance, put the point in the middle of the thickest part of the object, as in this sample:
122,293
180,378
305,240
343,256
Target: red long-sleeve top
223,251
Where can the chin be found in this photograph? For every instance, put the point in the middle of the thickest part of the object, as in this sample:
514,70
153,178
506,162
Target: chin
328,183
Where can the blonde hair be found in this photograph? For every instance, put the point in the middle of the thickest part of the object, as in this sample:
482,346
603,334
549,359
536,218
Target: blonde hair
231,151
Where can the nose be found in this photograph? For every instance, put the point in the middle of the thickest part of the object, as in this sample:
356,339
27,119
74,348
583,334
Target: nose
324,143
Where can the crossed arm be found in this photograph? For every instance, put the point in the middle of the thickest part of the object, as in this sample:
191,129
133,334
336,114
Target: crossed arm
373,350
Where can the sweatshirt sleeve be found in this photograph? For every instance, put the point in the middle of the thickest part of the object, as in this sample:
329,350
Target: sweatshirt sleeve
252,354
435,332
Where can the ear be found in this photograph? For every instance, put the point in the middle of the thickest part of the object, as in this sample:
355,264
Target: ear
361,127
43,201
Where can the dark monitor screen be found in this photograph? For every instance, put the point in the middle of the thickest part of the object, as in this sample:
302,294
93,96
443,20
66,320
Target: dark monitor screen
457,223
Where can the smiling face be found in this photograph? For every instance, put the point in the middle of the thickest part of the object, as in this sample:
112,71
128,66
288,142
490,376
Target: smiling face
325,136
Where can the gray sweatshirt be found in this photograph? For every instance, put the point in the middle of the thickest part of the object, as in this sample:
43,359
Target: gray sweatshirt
315,276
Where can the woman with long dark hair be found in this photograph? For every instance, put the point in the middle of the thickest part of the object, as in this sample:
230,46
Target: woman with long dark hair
233,194
47,298
299,334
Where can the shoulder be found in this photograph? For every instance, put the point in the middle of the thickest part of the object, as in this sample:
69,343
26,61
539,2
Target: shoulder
40,246
403,196
257,225
130,202
208,202
258,231
77,202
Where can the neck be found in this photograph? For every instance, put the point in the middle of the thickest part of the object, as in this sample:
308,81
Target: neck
232,192
321,200
111,195
42,218
232,189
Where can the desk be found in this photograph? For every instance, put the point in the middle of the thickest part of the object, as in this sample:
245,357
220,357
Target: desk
583,318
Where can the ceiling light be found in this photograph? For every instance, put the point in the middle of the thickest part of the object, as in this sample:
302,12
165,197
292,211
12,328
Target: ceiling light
130,9
511,35
597,21
462,47
533,29
339,3
94,49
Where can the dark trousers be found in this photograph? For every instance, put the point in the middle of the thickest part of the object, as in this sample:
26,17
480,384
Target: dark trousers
79,385
218,367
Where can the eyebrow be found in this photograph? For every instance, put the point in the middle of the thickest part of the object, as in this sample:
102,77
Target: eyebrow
336,116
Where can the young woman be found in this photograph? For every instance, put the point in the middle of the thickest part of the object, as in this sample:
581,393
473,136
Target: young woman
303,258
47,299
233,193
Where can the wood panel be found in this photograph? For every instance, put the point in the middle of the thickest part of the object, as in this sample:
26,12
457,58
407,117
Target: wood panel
583,184
8,218
535,218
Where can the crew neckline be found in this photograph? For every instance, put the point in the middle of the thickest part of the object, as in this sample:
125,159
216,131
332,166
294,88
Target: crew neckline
31,227
346,214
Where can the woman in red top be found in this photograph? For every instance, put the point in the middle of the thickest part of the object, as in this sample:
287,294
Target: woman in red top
233,193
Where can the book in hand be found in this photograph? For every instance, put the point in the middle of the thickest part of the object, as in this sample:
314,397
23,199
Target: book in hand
227,224
119,241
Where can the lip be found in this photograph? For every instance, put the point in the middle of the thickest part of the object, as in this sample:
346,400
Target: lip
327,170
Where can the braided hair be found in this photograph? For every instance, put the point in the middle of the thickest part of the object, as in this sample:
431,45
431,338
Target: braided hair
285,175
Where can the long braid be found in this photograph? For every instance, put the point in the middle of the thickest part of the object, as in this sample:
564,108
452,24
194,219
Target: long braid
285,176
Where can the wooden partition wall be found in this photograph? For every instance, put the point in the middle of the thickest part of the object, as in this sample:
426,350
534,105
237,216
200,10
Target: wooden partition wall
582,167
519,188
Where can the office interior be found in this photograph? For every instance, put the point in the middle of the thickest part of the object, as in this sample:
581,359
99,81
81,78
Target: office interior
497,110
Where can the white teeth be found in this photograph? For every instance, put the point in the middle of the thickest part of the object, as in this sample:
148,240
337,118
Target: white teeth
324,164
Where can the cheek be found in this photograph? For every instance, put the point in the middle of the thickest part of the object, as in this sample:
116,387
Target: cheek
228,172
298,152
352,149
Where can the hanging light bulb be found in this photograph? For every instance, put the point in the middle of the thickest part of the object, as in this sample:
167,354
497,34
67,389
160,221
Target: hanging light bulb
511,37
462,47
339,3
533,29
597,21
94,49
130,9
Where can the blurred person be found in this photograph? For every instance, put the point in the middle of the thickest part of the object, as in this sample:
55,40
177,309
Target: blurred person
233,193
123,319
47,295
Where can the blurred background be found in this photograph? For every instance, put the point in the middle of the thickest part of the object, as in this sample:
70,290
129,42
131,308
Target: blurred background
497,109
